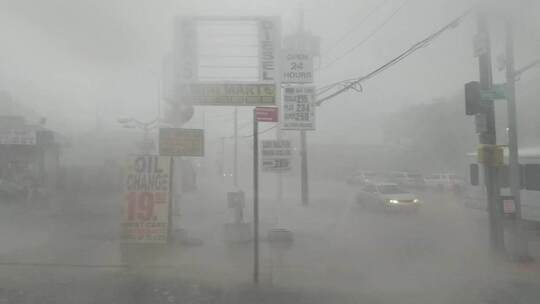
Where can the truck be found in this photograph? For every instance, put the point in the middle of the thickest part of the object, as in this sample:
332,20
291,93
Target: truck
475,197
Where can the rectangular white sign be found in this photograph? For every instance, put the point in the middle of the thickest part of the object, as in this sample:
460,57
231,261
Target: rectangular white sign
18,137
276,155
296,67
298,108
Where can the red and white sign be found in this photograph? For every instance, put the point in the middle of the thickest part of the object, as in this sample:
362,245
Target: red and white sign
266,114
509,206
145,208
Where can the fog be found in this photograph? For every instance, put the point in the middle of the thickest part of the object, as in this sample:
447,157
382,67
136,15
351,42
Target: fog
377,207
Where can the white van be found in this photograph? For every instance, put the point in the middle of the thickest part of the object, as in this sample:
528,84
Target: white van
475,196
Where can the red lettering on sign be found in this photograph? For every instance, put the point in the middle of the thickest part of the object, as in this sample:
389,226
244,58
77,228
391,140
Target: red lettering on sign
266,114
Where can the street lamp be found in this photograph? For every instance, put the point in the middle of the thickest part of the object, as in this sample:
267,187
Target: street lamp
147,144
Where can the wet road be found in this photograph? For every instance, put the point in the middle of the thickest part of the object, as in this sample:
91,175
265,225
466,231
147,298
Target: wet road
339,252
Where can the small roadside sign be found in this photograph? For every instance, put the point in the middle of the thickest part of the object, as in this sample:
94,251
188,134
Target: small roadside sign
181,142
266,114
296,67
497,91
508,205
298,108
146,203
276,155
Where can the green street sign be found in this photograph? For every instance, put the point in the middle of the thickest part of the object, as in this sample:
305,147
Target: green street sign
497,91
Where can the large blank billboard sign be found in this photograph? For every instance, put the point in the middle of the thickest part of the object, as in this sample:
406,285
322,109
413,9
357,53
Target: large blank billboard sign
228,55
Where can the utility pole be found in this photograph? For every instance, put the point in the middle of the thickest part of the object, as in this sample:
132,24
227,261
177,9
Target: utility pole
489,137
521,248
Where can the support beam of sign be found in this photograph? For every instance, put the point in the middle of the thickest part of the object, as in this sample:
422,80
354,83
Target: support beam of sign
255,197
303,141
260,114
235,162
304,173
298,69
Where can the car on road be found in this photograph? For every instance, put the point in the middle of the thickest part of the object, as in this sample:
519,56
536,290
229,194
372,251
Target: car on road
408,180
444,182
387,196
361,178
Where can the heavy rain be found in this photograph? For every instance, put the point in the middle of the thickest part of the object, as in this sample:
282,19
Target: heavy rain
269,151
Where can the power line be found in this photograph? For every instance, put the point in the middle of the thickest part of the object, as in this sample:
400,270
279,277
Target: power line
251,135
363,41
348,84
352,30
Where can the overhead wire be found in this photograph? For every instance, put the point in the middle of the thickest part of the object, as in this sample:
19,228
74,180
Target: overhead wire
348,84
352,30
251,135
363,41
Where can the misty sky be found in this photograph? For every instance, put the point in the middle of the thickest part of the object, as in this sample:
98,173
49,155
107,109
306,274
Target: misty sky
72,60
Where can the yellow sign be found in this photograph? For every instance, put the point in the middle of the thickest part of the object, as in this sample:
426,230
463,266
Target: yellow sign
146,205
230,94
181,142
491,155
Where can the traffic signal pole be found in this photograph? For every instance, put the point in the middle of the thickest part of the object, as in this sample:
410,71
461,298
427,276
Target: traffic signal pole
520,244
489,137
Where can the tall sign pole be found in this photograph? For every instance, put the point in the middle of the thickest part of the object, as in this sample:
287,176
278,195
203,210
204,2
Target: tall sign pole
255,197
303,143
488,137
297,71
260,114
280,175
304,168
235,161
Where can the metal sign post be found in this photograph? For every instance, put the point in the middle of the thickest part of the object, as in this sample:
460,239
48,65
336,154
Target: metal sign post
263,114
255,197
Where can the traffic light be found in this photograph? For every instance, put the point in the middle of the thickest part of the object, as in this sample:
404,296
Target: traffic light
473,98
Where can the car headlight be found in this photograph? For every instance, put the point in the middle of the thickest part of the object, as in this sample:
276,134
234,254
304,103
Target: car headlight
393,201
416,200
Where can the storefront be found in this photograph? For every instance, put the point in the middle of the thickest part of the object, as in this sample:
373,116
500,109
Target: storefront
29,159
